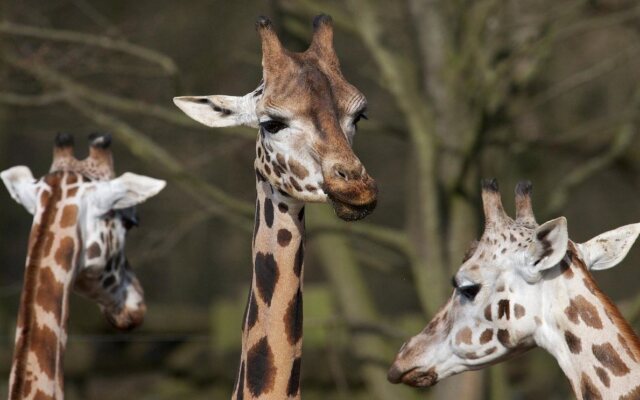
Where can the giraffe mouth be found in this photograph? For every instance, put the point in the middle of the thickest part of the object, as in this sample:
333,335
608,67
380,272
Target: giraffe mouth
351,212
414,377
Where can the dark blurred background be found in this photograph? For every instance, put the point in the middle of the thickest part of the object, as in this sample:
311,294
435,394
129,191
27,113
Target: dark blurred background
458,90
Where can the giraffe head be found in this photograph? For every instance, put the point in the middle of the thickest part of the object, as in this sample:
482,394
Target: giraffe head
101,206
307,114
497,306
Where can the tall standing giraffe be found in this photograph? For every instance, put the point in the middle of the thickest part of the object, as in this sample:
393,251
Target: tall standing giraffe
307,114
81,215
524,285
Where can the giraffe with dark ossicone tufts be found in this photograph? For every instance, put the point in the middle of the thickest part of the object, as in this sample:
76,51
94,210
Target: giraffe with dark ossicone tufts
307,114
81,213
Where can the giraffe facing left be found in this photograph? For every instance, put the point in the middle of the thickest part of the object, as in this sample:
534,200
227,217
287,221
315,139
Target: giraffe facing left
82,213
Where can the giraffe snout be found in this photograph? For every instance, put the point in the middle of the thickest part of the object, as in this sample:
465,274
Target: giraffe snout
127,319
351,191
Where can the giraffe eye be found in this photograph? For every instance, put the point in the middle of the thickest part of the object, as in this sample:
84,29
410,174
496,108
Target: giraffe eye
358,117
469,292
273,126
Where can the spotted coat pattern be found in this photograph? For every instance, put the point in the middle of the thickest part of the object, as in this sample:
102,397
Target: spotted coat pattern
69,250
504,303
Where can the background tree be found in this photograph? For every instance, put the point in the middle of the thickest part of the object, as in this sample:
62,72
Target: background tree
458,90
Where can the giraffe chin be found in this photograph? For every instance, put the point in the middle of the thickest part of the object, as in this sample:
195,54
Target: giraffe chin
417,378
126,320
351,212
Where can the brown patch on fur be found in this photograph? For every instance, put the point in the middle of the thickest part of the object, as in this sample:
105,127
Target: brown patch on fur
518,311
588,313
486,336
588,389
471,356
574,342
625,329
282,163
44,344
72,192
503,309
464,336
490,350
604,377
625,345
298,169
50,293
487,312
69,216
284,237
65,252
295,184
40,395
565,268
572,313
633,394
94,250
610,359
504,337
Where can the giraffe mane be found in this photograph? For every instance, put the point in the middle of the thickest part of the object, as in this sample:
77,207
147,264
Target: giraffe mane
631,340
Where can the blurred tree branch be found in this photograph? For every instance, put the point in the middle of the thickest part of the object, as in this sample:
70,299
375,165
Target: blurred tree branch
98,97
223,205
46,99
622,139
586,75
102,41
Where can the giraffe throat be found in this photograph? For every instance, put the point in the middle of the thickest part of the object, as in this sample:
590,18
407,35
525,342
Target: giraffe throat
272,324
42,318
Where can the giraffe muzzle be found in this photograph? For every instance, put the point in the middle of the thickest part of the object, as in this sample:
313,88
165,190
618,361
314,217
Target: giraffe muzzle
413,377
126,319
351,191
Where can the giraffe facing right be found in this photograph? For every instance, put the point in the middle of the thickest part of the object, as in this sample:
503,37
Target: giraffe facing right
524,285
81,215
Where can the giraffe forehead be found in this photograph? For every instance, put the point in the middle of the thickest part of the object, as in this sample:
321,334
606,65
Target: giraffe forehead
309,89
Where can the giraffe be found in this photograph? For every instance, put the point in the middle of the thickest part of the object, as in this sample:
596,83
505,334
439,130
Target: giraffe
524,285
307,114
81,215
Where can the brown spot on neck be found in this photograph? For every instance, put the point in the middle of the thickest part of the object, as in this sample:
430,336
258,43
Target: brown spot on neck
588,389
69,216
626,332
610,359
574,342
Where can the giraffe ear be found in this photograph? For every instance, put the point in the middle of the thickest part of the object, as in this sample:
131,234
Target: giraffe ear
125,191
608,249
220,111
548,248
22,186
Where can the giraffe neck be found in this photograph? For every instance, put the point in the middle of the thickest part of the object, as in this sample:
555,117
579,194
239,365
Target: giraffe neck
272,325
595,347
41,335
